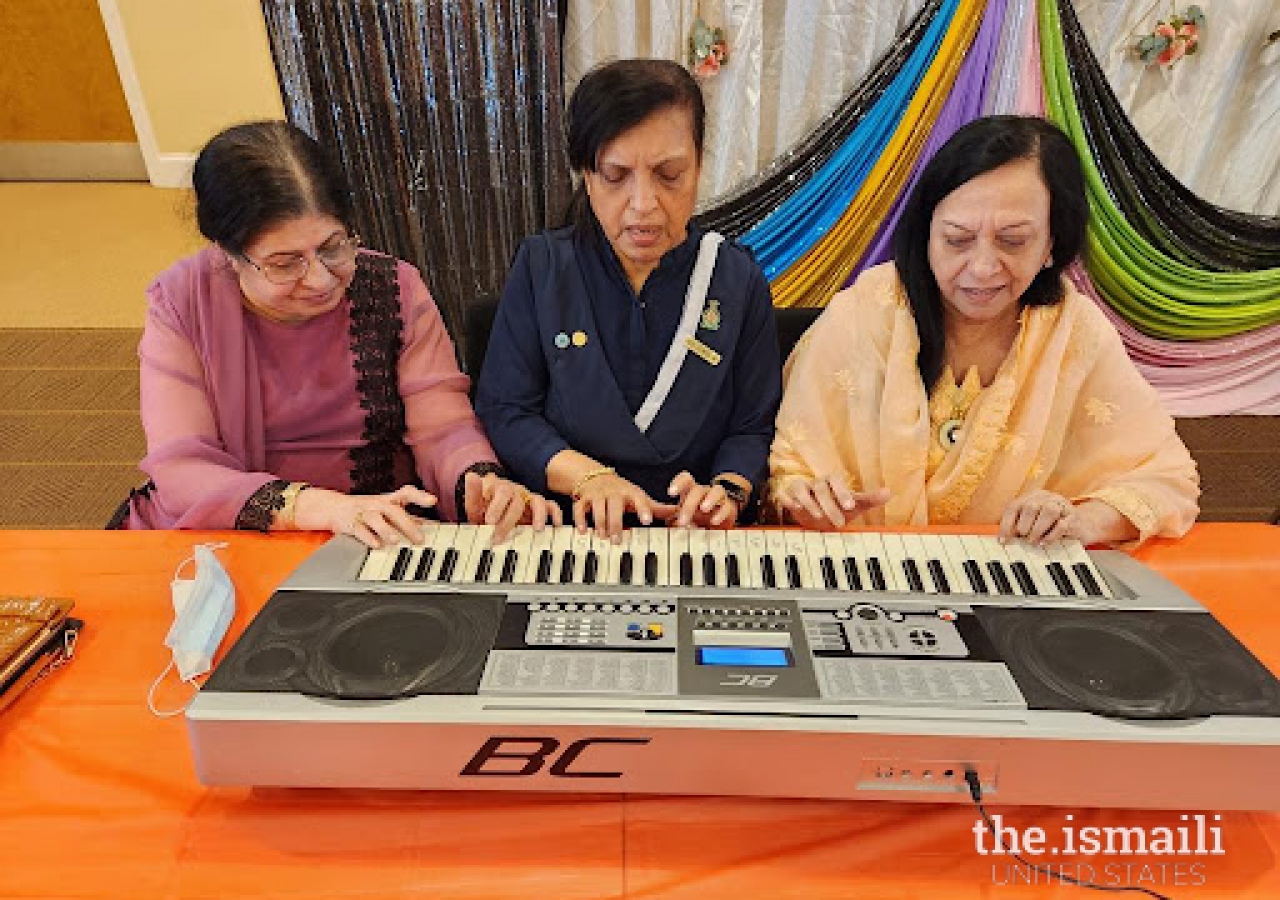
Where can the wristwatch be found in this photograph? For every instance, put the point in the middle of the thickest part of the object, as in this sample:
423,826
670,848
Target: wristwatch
734,491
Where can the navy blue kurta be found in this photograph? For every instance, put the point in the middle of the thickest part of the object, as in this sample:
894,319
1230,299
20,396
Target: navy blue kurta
537,397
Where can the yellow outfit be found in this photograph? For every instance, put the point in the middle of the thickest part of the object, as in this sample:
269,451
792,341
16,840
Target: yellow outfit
1067,412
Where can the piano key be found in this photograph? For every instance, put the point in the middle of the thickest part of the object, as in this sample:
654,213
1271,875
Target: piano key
828,574
815,546
470,541
882,573
997,559
443,535
378,564
1082,561
1061,579
582,546
677,553
894,554
660,552
939,574
1023,575
973,573
768,575
1084,572
775,543
718,548
632,547
536,556
565,574
798,550
626,568
424,559
404,553
699,554
591,568
914,565
1059,554
948,551
833,549
1034,559
1002,578
561,545
755,548
510,565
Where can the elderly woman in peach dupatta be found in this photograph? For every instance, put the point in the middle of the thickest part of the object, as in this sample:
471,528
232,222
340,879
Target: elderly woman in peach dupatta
1050,432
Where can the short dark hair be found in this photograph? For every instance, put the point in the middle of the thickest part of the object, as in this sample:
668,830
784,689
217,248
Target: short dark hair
617,96
251,176
981,146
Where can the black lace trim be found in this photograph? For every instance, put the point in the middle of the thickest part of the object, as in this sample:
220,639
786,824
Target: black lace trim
460,490
259,511
121,515
376,341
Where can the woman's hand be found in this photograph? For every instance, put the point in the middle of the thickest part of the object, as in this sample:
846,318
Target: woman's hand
1043,517
608,497
702,505
826,503
378,520
500,502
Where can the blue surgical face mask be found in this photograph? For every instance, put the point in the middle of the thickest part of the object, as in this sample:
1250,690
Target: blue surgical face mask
203,609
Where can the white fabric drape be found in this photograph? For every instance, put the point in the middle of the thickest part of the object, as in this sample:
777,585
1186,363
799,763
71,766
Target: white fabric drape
791,63
1213,119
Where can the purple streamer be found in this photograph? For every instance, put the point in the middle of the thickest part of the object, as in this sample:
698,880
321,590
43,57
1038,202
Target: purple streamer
963,105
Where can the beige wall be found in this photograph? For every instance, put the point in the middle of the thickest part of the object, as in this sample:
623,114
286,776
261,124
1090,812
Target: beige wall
201,65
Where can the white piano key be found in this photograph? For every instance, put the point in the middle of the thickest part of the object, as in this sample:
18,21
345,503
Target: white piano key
464,543
1078,554
522,543
946,549
1038,561
895,550
888,551
913,550
1020,551
481,540
377,564
677,547
746,546
538,542
798,549
580,546
698,550
815,546
442,539
993,550
718,547
835,547
660,547
775,550
561,543
611,559
855,549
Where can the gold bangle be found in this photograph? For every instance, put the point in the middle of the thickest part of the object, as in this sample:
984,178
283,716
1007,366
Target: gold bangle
576,493
287,516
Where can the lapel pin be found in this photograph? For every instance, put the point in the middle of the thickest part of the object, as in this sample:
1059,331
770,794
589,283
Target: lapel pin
711,316
562,340
702,350
579,339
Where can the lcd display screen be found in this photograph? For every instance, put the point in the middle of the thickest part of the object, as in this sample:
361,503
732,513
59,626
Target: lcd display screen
773,657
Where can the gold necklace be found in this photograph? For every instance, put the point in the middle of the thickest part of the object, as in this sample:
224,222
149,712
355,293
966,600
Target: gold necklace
950,404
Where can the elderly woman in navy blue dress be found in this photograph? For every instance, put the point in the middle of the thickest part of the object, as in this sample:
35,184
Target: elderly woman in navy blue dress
633,364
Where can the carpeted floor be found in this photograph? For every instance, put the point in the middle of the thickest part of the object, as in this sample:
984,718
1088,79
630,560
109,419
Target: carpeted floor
70,439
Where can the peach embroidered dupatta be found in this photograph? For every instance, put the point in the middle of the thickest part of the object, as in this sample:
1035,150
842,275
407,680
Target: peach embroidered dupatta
1067,411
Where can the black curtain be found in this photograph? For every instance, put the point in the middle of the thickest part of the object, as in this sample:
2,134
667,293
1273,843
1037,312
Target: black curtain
447,116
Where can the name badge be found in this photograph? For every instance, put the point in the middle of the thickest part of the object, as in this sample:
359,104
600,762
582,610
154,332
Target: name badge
702,350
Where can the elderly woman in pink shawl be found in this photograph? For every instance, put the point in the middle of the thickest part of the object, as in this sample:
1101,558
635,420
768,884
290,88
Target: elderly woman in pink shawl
293,381
968,382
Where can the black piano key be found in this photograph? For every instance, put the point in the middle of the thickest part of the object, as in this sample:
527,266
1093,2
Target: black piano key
447,562
589,567
651,568
828,573
509,567
566,567
939,577
976,580
544,567
767,575
402,563
913,575
1091,586
485,564
876,574
998,575
793,571
851,572
424,564
1021,573
732,574
1061,579
686,570
708,570
624,567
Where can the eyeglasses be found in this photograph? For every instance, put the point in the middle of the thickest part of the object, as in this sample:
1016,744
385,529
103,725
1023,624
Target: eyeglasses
337,254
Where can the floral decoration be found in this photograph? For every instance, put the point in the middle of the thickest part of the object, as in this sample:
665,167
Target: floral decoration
1173,38
708,49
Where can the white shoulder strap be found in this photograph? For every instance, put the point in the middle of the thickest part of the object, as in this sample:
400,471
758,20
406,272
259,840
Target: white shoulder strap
696,296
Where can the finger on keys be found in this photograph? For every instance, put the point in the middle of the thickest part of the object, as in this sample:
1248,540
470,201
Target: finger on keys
640,502
1007,521
376,520
553,510
689,505
580,516
508,522
617,509
827,500
680,484
600,515
713,498
1027,516
405,524
874,499
1043,524
410,494
728,509
798,490
1060,530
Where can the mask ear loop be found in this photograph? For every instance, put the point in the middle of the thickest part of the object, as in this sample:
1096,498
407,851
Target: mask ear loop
151,694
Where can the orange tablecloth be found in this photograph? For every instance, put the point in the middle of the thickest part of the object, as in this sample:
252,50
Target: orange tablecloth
98,797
